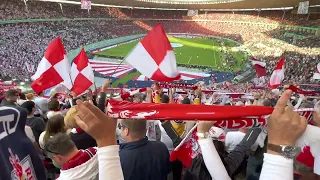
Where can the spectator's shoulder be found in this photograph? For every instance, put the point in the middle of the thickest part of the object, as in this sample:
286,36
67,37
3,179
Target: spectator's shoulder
158,145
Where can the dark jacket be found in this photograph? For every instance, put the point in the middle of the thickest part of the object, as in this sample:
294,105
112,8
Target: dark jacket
145,160
82,140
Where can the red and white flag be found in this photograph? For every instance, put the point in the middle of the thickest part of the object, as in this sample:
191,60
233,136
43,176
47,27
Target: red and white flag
53,69
81,73
317,73
277,75
153,57
188,149
259,66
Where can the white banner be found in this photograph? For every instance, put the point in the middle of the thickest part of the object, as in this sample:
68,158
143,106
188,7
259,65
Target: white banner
303,7
85,4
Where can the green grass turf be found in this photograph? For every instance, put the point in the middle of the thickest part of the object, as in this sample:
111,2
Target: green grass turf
195,51
125,79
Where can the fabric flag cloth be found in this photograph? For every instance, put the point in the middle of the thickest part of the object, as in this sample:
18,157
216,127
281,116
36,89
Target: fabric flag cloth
277,75
154,57
317,73
132,93
81,73
187,149
300,91
151,111
53,69
259,66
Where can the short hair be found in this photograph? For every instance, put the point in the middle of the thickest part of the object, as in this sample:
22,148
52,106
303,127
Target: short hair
267,102
41,92
165,98
12,92
186,100
307,104
53,105
137,128
29,105
60,143
29,96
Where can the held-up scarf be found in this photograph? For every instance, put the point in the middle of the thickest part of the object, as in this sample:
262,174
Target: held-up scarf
150,111
300,91
230,117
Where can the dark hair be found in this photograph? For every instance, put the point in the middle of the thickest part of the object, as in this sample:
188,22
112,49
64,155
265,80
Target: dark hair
165,98
307,104
53,105
60,143
23,96
12,92
40,93
54,126
28,105
186,100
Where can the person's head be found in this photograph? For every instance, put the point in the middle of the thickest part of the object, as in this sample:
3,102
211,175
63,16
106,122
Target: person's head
307,104
165,99
267,103
54,126
60,148
41,94
12,95
29,106
23,96
132,130
29,96
54,105
186,100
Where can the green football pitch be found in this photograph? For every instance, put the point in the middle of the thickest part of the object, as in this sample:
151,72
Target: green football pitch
218,54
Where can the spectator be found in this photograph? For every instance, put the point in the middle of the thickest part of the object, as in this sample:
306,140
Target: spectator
10,98
37,124
150,158
74,163
54,125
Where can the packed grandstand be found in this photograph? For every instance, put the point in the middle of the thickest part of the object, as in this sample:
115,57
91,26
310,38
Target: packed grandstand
215,58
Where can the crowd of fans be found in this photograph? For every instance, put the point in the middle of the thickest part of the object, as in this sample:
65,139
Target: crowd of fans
76,139
24,43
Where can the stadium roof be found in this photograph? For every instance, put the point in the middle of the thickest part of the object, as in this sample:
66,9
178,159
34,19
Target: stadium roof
206,4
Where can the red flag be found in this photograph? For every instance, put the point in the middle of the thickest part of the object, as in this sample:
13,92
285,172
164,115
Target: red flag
259,66
53,69
81,73
277,75
154,57
188,149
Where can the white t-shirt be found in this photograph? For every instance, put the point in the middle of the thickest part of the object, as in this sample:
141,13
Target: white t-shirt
233,138
29,133
41,104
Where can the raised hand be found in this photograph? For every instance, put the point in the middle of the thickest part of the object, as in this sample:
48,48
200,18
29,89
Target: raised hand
106,85
285,126
96,123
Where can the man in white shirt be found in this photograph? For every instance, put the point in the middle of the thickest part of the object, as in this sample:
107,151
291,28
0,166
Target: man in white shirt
233,138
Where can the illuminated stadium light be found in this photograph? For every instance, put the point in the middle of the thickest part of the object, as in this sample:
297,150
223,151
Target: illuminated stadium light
189,2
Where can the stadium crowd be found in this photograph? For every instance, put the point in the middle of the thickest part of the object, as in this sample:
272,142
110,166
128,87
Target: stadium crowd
71,137
24,43
75,139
